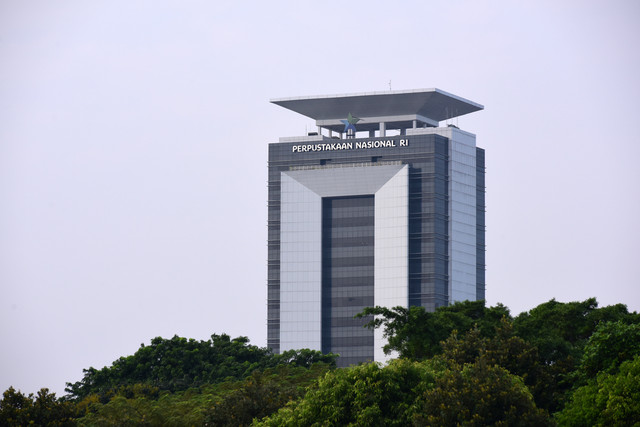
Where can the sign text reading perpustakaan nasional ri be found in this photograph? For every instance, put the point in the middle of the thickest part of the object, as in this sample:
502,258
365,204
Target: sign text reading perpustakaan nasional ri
334,146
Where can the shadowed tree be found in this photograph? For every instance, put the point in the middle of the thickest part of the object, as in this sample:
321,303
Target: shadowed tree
178,364
479,395
560,332
360,395
417,334
17,409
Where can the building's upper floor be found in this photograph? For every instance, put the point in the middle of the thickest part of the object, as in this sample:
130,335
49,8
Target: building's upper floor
343,116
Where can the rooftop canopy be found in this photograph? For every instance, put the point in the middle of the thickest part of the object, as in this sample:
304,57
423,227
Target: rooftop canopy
381,110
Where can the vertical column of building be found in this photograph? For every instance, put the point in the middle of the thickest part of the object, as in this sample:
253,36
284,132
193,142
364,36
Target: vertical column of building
347,277
428,222
391,248
301,266
480,225
462,215
440,223
273,260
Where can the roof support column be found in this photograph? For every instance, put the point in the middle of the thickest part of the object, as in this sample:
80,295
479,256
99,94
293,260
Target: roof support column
383,129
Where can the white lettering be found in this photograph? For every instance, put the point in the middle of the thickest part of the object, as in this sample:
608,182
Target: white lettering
359,145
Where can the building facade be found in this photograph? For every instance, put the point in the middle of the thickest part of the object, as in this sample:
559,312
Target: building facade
380,206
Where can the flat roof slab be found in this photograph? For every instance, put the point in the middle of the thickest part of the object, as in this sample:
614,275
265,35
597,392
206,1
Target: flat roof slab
434,104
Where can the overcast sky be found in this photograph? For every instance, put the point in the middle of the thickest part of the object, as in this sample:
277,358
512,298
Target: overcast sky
133,155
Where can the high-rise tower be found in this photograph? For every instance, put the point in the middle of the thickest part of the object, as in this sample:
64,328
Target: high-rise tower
380,206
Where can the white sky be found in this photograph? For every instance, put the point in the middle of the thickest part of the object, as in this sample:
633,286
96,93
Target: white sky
133,155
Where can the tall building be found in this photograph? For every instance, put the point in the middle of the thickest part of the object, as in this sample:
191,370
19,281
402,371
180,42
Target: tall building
380,206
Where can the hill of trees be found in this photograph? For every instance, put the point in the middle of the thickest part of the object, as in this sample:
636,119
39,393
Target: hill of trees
569,364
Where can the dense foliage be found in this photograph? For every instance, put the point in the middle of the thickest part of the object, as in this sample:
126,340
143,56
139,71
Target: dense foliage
416,334
228,403
560,331
556,333
610,399
466,364
178,364
362,395
17,409
479,394
415,393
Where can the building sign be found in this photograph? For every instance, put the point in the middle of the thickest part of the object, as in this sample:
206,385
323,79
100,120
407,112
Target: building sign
362,145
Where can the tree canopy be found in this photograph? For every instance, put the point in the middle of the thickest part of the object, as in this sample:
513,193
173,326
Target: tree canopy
467,364
415,393
554,333
18,409
362,395
178,364
611,399
417,334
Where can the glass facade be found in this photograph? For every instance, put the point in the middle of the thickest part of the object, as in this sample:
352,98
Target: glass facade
356,226
480,225
347,276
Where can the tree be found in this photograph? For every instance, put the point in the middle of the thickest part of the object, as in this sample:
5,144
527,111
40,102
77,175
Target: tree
415,393
361,395
230,402
178,364
560,332
557,329
262,394
411,332
479,395
608,400
611,344
416,334
503,349
304,358
15,407
42,409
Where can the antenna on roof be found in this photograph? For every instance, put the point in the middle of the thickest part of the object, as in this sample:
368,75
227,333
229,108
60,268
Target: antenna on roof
389,84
